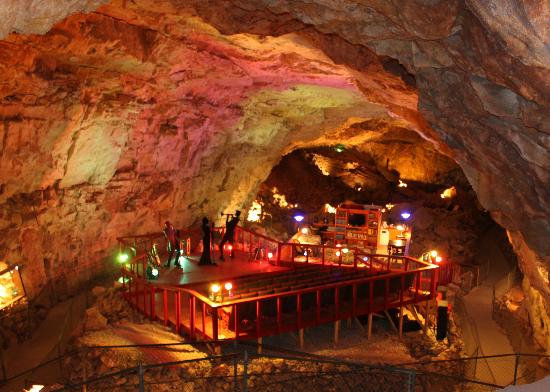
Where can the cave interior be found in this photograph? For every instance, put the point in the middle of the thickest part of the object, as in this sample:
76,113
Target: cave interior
119,115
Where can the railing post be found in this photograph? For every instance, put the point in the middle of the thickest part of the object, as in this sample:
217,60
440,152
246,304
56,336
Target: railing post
236,320
245,371
153,313
412,381
178,310
258,319
235,374
145,299
203,317
214,324
279,248
323,255
337,302
141,386
192,316
165,305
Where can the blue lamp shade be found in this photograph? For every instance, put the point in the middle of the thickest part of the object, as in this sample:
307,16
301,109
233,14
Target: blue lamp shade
298,218
405,215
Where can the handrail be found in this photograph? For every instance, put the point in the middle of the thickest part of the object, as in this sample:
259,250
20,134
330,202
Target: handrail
217,304
141,292
280,243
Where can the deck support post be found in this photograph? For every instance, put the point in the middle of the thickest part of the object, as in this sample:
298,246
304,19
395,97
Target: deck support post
369,327
427,322
391,321
301,338
349,323
260,340
417,318
336,331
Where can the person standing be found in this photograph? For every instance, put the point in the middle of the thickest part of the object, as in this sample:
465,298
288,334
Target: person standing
171,243
229,235
206,235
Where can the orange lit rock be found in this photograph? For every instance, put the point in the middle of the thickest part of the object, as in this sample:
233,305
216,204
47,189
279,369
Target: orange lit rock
145,110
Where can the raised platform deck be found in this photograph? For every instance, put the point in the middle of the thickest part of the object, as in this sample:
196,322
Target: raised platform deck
192,274
300,286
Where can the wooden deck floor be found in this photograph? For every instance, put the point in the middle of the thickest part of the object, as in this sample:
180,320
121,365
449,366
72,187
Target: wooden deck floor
193,274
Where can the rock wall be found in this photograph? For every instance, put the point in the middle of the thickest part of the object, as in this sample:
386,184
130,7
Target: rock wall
145,110
114,121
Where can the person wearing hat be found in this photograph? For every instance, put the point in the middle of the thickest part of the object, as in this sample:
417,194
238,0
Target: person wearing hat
229,235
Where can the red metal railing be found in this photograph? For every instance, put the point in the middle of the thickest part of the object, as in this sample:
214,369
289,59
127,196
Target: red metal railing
404,281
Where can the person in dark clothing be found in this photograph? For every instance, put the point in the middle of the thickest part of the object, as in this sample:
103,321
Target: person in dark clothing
229,234
206,234
178,249
171,243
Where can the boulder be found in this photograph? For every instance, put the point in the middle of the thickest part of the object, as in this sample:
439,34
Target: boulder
94,320
98,291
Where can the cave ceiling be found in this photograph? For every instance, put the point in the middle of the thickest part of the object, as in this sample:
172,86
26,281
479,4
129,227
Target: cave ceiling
136,111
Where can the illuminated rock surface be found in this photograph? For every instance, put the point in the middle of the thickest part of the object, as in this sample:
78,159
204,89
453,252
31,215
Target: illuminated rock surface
116,120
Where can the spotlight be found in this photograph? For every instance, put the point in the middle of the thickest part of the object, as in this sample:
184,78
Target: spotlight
400,227
438,259
433,253
155,272
123,257
305,253
228,286
365,259
405,215
230,247
345,250
269,255
338,253
215,288
304,230
298,218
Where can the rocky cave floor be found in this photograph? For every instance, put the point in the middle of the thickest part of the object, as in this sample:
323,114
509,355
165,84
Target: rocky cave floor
111,322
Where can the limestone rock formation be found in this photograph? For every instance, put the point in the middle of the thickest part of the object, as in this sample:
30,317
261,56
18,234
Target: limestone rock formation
141,110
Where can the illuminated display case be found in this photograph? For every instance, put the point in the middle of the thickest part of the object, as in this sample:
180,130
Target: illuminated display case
356,225
11,286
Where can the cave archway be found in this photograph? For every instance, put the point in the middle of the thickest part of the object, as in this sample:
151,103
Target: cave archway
117,119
